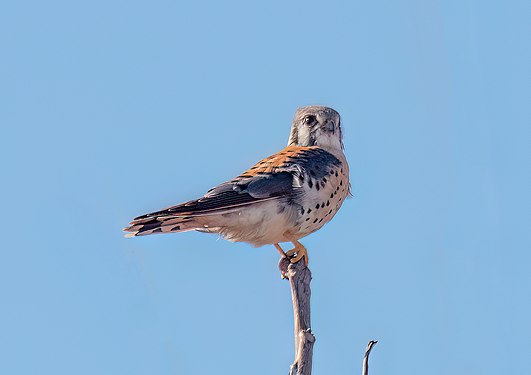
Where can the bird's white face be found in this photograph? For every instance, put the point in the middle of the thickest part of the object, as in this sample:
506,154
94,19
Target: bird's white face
317,126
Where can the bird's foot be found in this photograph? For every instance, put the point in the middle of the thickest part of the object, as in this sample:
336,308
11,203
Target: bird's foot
297,253
283,257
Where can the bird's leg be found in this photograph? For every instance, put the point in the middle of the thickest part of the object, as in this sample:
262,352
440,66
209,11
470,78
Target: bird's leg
300,252
282,253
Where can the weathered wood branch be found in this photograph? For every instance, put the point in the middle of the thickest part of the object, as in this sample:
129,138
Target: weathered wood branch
299,277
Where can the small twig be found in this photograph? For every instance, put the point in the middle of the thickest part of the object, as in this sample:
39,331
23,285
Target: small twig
366,358
299,278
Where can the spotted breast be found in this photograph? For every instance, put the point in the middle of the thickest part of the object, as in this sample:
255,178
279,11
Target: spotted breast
325,185
320,185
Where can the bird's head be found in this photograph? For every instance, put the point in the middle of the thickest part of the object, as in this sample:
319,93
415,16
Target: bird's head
317,126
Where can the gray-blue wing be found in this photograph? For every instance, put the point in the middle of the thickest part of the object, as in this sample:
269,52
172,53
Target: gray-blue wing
239,192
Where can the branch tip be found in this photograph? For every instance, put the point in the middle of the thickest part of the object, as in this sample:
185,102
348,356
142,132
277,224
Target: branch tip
370,345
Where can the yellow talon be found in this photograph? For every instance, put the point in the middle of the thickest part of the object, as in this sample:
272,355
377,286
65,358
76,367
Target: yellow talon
301,252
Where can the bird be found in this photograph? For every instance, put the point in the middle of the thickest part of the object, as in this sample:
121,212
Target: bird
282,198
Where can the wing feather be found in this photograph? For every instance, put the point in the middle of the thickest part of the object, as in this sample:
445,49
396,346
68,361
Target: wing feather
276,177
230,195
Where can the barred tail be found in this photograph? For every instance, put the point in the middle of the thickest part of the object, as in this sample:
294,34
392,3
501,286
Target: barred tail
160,224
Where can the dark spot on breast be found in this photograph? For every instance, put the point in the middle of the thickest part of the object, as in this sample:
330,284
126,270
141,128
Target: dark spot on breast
327,203
329,212
341,183
317,186
310,183
315,221
317,206
322,185
321,220
302,210
307,219
322,205
324,179
331,195
309,210
336,174
178,227
337,188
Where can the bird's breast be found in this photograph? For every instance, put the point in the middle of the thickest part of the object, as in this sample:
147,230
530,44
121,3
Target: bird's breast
321,198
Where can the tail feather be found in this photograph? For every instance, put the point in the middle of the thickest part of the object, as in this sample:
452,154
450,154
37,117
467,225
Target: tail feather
196,214
162,224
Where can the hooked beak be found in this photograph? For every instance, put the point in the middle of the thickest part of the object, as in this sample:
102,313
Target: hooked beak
330,126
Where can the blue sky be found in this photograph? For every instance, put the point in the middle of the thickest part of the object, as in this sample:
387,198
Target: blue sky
111,109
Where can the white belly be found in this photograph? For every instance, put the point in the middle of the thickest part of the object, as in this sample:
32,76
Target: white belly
260,224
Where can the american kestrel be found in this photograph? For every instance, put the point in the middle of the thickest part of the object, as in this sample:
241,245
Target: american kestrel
282,198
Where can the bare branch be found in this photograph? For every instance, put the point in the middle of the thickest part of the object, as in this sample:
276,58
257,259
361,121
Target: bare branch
366,358
299,278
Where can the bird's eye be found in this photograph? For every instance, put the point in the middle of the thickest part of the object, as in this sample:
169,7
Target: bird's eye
309,120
